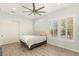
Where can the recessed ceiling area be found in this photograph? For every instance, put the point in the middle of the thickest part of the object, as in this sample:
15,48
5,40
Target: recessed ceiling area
17,9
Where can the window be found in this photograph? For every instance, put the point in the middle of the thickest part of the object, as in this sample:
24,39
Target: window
54,29
70,28
64,28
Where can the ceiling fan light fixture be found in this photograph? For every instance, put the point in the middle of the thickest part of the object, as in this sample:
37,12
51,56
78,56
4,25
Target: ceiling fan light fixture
13,10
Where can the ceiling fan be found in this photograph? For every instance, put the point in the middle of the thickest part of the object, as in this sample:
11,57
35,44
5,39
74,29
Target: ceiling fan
34,11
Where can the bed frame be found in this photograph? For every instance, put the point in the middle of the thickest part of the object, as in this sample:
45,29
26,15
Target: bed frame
34,45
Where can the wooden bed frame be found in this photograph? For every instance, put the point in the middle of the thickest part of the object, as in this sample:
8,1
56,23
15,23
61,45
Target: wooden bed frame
34,45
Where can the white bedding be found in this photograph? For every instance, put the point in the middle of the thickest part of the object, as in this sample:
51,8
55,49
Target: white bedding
32,39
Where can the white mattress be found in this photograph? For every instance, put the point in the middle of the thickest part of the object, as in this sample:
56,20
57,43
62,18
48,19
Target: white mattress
32,39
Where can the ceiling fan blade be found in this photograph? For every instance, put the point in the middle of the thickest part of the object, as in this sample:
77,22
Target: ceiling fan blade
38,14
30,14
40,8
41,11
26,8
33,6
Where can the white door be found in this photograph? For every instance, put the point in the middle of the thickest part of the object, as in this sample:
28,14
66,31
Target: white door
8,32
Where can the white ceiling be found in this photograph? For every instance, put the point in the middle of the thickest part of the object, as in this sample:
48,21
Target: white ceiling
49,7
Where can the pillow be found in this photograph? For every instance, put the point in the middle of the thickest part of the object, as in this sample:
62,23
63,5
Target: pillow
40,33
43,34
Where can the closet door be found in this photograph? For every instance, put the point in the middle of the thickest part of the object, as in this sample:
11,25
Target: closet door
8,32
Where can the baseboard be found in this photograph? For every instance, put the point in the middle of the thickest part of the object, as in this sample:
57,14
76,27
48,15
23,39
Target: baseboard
63,47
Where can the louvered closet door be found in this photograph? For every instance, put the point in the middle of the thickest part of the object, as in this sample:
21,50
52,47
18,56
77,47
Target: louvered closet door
8,32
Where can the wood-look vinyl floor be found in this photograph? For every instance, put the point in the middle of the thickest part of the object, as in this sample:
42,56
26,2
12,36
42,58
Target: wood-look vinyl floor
16,49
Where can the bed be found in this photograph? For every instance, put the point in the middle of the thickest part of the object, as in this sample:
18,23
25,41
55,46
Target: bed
32,41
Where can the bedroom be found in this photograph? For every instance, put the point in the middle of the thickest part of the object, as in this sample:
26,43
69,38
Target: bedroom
55,29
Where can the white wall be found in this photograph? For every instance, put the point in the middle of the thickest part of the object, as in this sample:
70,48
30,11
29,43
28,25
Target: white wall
8,32
24,25
43,24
